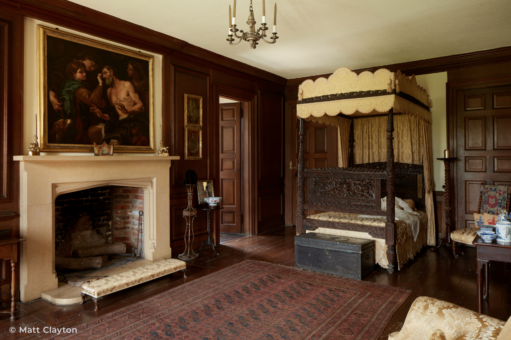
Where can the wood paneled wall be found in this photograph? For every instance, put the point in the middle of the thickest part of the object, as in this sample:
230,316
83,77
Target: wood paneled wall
11,122
186,69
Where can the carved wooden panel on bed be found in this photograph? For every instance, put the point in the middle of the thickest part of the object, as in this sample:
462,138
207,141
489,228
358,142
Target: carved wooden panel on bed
408,182
348,190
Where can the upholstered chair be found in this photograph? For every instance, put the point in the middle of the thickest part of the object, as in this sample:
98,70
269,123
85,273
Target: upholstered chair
468,235
432,319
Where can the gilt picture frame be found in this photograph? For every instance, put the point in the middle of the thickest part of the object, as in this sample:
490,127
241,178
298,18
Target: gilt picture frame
193,110
193,143
80,81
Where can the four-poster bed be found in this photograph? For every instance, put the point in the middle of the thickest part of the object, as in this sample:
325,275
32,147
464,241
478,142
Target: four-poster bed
367,109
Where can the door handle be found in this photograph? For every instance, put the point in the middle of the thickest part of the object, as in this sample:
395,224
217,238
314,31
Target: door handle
291,165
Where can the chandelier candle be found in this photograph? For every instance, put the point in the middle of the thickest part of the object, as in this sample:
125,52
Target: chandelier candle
264,13
253,35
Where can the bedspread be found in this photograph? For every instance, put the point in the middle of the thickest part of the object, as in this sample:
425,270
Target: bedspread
406,248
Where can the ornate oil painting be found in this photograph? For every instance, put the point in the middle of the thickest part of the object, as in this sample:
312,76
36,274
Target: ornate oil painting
93,92
193,110
193,143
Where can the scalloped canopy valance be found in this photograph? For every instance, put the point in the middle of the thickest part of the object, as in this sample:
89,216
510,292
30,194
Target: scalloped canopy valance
351,94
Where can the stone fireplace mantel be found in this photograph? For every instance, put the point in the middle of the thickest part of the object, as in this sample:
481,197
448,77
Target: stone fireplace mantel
43,178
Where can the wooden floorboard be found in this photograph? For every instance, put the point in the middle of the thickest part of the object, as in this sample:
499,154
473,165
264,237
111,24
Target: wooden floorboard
435,274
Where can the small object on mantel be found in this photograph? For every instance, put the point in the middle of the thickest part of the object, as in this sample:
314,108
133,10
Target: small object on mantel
446,153
103,149
33,148
164,150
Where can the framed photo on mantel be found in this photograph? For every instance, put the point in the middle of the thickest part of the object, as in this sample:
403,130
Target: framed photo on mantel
91,92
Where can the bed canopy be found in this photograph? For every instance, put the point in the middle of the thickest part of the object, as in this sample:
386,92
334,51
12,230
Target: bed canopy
362,107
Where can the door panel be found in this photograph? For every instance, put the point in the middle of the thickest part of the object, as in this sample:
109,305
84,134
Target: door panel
483,119
230,167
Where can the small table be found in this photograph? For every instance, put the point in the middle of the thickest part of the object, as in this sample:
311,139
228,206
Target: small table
487,252
209,209
9,251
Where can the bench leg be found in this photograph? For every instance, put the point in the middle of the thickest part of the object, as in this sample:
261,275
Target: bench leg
95,304
184,273
83,298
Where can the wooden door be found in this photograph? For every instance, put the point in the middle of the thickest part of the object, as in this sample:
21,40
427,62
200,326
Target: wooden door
483,140
320,151
230,168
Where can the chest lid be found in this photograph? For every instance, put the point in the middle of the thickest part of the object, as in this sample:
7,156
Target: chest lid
341,243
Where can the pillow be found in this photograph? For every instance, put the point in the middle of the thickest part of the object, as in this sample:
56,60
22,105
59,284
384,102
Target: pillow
479,220
490,219
410,203
437,335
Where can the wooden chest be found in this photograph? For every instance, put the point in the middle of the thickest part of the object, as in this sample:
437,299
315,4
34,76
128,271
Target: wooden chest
337,255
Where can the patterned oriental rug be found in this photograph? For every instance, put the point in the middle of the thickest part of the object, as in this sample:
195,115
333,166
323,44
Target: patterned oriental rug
255,300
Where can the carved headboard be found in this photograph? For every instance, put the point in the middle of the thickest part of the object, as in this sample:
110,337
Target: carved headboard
350,190
408,181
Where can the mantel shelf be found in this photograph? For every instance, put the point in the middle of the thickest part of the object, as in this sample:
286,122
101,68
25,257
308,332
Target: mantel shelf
26,158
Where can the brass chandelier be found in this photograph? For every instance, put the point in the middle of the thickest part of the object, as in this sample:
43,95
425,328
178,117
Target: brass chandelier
252,36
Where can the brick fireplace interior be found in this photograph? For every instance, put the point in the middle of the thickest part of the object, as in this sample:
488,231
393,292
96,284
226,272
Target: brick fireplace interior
95,227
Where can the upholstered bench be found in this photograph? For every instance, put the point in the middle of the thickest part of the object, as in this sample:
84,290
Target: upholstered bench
99,288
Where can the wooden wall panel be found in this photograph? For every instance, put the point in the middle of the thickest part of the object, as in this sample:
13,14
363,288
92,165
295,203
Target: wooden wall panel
472,193
271,161
502,164
502,100
11,136
475,133
474,102
502,132
475,164
195,83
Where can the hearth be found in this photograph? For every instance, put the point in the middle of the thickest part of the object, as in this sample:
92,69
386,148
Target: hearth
93,225
44,178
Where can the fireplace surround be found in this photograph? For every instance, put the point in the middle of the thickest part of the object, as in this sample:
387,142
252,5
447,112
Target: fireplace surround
43,178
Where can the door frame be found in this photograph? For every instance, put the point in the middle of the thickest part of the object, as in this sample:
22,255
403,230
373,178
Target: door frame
452,89
248,102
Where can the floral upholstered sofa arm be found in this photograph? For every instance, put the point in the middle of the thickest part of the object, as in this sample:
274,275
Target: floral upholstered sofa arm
432,319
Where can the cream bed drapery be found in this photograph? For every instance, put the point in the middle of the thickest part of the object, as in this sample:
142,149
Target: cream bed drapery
345,95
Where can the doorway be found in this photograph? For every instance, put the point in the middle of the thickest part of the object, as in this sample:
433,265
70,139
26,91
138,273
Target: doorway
231,165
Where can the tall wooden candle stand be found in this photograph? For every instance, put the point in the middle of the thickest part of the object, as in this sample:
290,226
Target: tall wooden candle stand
448,209
189,214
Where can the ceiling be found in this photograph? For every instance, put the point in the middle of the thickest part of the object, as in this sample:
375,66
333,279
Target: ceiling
317,37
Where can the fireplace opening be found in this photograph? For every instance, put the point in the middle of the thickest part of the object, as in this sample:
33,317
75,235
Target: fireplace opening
98,228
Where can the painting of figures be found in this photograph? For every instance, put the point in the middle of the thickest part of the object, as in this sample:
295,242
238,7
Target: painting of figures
93,92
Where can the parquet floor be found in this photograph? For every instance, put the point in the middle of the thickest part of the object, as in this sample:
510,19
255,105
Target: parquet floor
435,274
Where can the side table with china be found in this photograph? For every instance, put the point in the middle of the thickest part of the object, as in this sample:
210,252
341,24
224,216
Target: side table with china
491,245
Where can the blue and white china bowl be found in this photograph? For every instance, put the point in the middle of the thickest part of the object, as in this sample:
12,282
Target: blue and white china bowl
488,228
503,229
213,201
487,237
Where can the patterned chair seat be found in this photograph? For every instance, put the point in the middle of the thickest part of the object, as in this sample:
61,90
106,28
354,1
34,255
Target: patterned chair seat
465,235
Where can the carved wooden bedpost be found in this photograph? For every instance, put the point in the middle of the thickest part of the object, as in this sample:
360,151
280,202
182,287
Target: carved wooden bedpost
300,198
390,226
351,162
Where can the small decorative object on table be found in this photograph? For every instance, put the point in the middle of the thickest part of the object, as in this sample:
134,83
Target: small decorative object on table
103,149
204,189
213,201
189,214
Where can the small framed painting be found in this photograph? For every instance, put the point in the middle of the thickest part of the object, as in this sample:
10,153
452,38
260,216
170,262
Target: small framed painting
193,143
193,110
205,189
